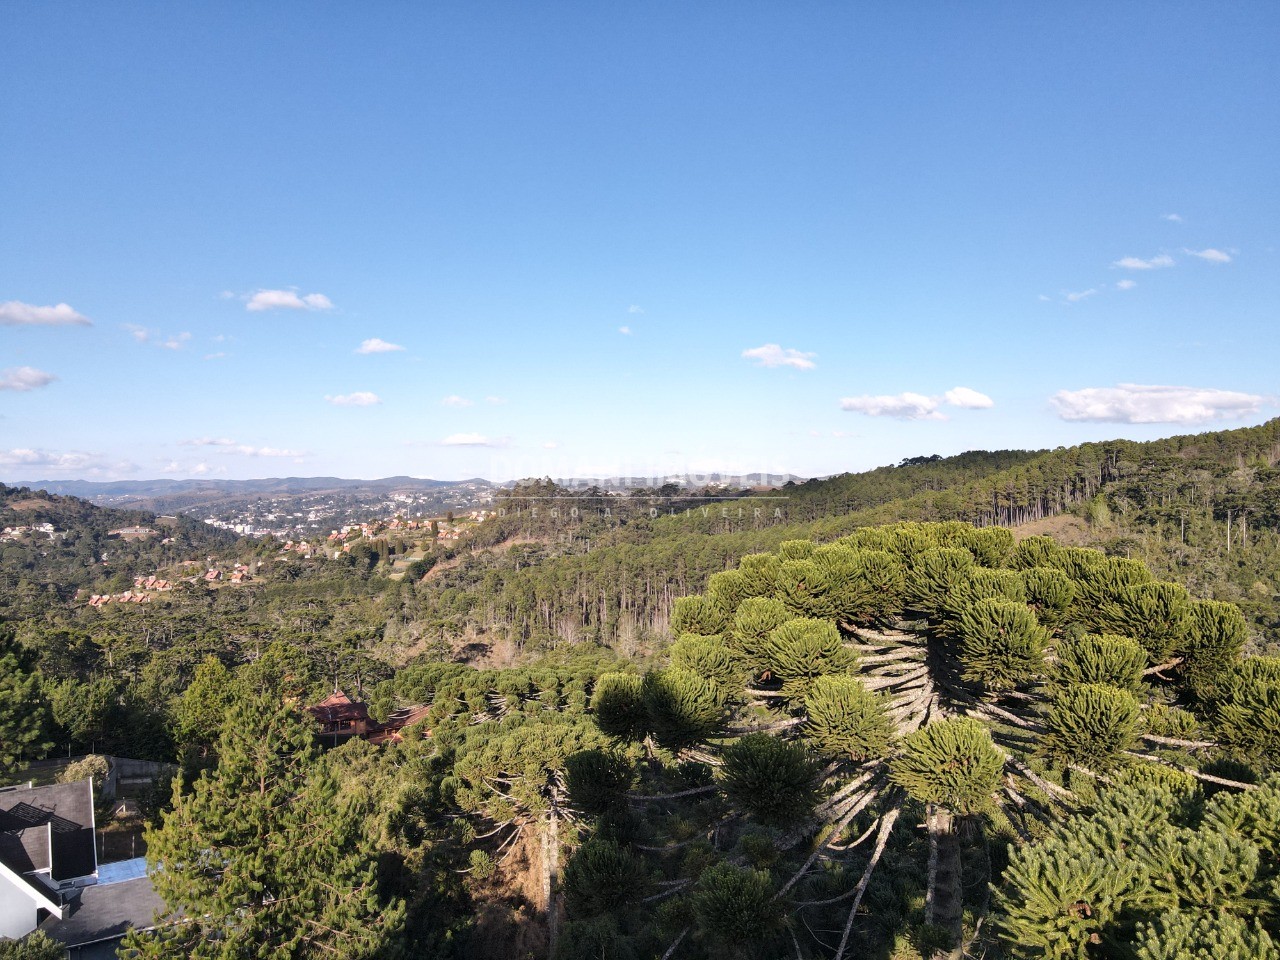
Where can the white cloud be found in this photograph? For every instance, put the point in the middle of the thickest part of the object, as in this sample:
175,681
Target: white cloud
472,440
635,308
496,401
550,445
772,355
215,356
1043,297
1126,284
376,345
26,457
247,451
1137,263
1210,254
1080,295
625,331
361,398
453,400
15,313
23,379
173,342
1172,218
208,442
1139,403
287,300
902,406
968,399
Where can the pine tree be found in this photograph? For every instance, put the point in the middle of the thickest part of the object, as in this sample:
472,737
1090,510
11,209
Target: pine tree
1050,593
1091,724
753,621
681,708
23,713
602,877
267,853
1192,936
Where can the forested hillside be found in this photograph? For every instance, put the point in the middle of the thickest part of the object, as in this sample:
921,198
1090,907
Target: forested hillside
831,746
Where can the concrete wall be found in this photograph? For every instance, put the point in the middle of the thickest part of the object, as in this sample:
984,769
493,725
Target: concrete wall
17,910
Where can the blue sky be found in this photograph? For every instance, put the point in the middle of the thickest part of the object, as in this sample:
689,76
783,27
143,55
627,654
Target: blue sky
651,238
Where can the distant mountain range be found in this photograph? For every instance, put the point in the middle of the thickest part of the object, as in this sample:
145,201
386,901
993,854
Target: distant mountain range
145,489
131,490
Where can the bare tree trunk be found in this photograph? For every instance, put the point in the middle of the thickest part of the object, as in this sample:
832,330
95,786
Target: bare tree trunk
551,878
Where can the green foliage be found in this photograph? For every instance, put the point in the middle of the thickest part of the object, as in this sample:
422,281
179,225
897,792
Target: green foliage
1050,593
618,705
861,586
1109,659
1214,641
681,708
37,946
1246,710
931,576
1091,724
760,573
217,869
801,650
1190,936
770,778
708,657
602,877
1035,552
845,719
598,780
23,714
1151,865
753,621
952,763
1001,644
804,589
736,911
698,614
1157,615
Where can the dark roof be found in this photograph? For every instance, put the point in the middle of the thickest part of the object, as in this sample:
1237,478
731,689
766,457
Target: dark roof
31,817
105,910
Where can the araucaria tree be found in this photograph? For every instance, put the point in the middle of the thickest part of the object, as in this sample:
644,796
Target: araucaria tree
982,687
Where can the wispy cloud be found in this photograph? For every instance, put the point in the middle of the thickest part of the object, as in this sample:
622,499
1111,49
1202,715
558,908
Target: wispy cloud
1079,295
376,345
1210,254
15,313
900,406
22,379
453,400
1137,263
245,450
473,440
1139,403
625,331
968,399
208,442
215,356
1172,218
773,355
287,300
635,308
1126,284
496,401
361,398
174,341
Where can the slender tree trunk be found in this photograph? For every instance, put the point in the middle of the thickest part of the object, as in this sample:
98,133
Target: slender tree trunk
947,876
551,878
